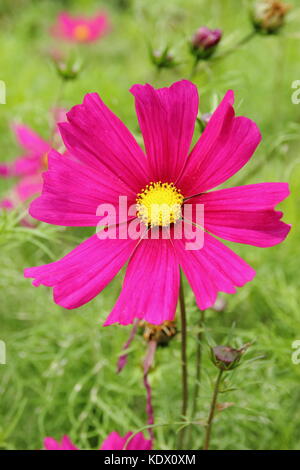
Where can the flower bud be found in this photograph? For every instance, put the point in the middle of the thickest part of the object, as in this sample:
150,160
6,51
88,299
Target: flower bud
227,358
204,42
163,59
268,16
67,68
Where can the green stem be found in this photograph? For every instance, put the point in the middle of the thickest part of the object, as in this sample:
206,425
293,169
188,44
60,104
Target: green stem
212,411
198,363
194,68
184,367
240,43
57,104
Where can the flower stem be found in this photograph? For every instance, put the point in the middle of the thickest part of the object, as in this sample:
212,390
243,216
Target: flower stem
194,68
184,367
212,411
198,363
239,44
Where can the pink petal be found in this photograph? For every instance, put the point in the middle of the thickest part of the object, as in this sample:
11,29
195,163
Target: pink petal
29,140
212,269
225,146
138,442
27,165
52,444
67,444
72,193
115,442
246,214
5,170
28,187
167,119
151,284
99,26
6,204
83,273
98,138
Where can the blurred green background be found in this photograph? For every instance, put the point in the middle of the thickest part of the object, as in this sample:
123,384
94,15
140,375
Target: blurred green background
60,373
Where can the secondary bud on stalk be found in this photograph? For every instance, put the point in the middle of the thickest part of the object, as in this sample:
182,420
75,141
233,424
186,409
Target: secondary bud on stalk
204,42
268,16
68,69
161,334
162,59
227,358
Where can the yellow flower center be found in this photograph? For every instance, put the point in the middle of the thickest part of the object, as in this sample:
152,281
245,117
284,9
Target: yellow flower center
159,204
81,32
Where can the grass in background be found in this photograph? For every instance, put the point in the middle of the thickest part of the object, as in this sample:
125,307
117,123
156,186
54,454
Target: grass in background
60,374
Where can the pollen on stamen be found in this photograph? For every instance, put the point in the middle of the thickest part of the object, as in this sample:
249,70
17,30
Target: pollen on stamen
159,204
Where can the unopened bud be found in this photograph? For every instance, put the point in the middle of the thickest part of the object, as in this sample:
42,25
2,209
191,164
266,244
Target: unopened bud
227,358
69,68
268,16
163,59
204,42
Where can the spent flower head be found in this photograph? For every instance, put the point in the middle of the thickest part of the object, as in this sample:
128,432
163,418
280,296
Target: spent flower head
268,16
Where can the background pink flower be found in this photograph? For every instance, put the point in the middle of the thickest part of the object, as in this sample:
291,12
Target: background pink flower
80,28
113,442
110,163
29,166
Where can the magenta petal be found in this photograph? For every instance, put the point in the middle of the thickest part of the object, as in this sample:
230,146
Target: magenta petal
115,442
151,284
246,214
28,187
29,140
167,119
5,170
212,269
98,138
72,193
52,444
83,273
226,145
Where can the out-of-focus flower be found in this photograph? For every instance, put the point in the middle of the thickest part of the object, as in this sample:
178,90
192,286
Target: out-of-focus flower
163,59
204,42
227,358
268,16
65,444
79,28
111,164
113,442
28,168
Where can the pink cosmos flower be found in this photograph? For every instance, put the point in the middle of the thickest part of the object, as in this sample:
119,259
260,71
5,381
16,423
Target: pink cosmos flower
110,163
80,28
28,167
113,442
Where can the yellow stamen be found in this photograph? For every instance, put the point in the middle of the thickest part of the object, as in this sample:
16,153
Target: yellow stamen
45,161
81,32
159,204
